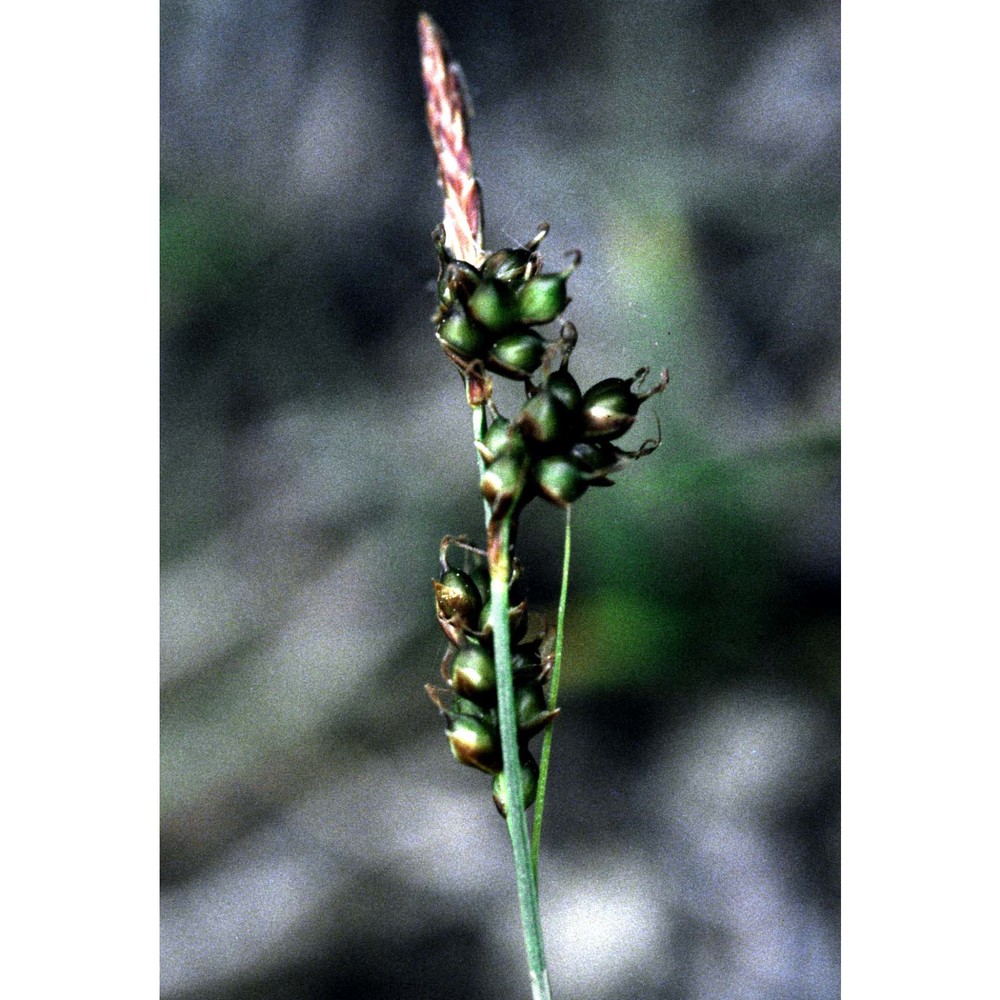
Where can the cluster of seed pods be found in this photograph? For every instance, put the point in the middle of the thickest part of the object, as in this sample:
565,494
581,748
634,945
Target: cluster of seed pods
558,444
560,441
469,702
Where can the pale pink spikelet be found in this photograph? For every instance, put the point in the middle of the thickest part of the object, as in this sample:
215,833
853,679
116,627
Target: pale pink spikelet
447,120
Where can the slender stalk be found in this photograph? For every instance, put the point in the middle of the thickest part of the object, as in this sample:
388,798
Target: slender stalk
478,430
517,824
543,764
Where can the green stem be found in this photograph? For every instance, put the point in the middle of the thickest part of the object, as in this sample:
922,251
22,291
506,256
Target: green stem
543,765
478,432
517,824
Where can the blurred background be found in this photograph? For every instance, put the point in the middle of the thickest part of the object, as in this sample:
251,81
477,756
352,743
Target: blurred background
318,840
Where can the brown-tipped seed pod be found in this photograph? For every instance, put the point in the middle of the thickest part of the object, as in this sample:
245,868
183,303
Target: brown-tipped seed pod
541,298
597,457
503,481
512,264
610,407
495,437
474,743
458,281
533,713
529,785
507,265
457,596
460,334
517,355
492,305
510,442
560,480
473,674
564,387
458,603
545,421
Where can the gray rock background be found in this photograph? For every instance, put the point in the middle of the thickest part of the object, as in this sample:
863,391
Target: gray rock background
317,838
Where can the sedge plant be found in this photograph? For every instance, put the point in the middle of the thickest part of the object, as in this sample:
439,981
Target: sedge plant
501,677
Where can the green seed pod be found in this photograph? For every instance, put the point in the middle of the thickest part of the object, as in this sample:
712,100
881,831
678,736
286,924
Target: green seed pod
458,281
596,456
507,265
533,713
503,481
541,298
610,407
545,420
475,743
512,444
564,387
517,355
529,785
473,674
559,480
492,304
511,265
458,332
495,437
457,596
